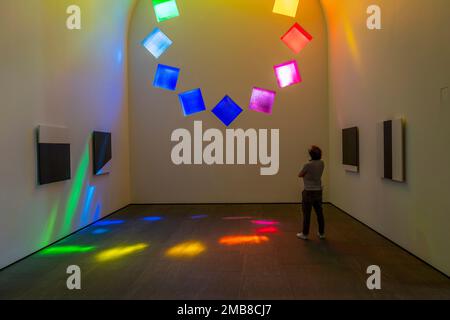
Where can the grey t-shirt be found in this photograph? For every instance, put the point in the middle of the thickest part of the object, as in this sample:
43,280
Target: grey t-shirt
313,171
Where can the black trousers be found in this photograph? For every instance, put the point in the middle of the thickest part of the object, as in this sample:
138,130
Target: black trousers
312,199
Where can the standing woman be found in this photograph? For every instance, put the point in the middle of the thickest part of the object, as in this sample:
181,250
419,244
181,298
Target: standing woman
312,194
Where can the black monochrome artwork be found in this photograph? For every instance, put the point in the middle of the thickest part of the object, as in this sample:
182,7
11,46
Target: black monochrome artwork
350,149
102,152
53,154
391,150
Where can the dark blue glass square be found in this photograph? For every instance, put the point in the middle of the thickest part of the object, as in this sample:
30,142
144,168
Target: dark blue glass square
227,110
192,102
166,77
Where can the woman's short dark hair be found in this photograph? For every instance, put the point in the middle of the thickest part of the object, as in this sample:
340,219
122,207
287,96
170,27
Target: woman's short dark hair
315,152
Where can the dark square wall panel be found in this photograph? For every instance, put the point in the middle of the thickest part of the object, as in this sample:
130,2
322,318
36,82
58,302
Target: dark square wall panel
53,154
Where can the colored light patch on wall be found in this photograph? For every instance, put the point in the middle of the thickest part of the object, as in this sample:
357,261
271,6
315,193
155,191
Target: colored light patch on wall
120,252
262,100
227,110
267,230
192,102
108,223
166,77
165,9
157,43
188,249
56,250
152,219
237,240
287,74
296,38
286,7
265,222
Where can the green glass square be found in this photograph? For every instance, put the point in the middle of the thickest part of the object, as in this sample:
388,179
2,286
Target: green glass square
165,9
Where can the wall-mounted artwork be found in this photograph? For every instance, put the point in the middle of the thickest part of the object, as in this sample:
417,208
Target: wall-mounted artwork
53,154
391,150
102,152
350,149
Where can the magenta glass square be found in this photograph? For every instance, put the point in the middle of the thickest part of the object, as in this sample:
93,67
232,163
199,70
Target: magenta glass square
287,74
262,100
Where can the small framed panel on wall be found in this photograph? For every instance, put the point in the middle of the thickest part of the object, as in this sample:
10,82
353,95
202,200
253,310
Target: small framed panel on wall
350,149
102,152
53,154
391,150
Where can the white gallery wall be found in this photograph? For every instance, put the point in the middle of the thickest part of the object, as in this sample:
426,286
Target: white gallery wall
398,71
225,47
53,76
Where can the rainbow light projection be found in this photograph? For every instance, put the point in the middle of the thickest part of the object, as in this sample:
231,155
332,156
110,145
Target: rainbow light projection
267,230
166,77
296,38
237,240
199,216
100,231
287,74
187,249
165,9
157,43
262,100
286,7
192,102
265,222
119,252
108,223
152,219
57,250
227,110
237,218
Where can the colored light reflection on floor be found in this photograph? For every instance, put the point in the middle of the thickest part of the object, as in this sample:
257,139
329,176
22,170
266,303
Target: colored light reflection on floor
152,219
199,216
108,222
265,222
236,240
100,231
66,250
120,252
237,218
186,249
267,230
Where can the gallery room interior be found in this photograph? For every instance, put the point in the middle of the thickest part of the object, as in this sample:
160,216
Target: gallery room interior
152,149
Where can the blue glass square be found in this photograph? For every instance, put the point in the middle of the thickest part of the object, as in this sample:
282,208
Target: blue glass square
166,77
157,43
192,102
227,110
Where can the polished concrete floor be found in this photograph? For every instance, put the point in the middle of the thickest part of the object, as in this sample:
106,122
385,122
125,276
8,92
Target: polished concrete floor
222,252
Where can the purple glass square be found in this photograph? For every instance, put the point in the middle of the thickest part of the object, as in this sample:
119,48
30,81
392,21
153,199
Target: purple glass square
262,100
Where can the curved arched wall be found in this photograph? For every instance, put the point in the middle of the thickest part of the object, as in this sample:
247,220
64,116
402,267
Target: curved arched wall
225,47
